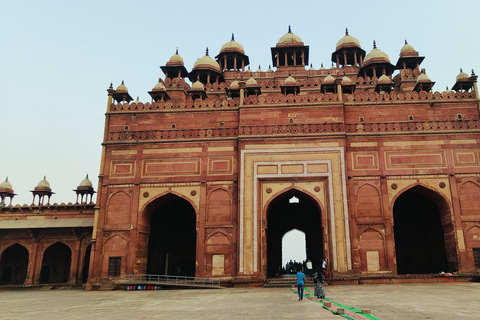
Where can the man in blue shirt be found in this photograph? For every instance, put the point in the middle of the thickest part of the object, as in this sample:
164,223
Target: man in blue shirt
300,284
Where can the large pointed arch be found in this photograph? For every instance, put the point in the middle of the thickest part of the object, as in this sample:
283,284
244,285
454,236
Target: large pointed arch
56,263
424,233
283,216
14,264
169,236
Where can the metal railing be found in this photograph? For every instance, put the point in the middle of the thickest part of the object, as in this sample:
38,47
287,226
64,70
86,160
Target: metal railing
171,280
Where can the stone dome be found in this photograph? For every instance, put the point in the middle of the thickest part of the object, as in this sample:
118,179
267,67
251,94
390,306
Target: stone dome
290,80
159,86
43,185
376,54
232,45
289,38
423,78
311,68
346,80
197,85
234,84
175,59
251,82
329,79
462,76
322,67
206,62
86,182
259,69
269,69
6,185
347,41
384,79
122,88
407,50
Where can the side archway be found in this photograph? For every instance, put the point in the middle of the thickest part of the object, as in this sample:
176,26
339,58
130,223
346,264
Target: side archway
424,233
14,265
56,264
170,227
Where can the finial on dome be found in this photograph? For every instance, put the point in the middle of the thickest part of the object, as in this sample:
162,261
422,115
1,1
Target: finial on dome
123,83
346,31
259,67
176,51
233,37
311,65
374,45
461,70
87,176
289,29
447,88
269,66
473,72
45,176
321,65
111,85
406,41
206,53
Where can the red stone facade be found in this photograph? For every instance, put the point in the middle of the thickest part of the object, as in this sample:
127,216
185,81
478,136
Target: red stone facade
197,180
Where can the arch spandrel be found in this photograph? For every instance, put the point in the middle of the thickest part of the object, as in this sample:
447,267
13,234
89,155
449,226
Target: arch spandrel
429,184
155,194
277,189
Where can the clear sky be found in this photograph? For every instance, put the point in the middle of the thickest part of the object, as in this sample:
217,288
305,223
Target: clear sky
57,59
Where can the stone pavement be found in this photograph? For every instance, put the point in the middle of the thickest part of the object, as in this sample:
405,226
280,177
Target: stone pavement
392,301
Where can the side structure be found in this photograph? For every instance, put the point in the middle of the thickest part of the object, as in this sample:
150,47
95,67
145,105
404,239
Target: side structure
199,180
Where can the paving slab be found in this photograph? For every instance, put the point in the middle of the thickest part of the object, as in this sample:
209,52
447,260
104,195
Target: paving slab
393,301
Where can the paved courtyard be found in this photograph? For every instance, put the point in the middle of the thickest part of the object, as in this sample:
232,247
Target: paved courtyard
396,301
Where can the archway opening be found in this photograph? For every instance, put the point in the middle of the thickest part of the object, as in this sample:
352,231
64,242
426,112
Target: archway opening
172,240
56,264
14,265
420,230
86,264
284,215
294,250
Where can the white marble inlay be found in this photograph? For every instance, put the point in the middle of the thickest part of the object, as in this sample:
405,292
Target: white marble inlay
290,176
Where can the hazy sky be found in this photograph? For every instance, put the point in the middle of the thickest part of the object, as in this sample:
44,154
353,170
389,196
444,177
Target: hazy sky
57,59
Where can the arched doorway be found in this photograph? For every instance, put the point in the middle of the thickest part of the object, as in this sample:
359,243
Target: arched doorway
86,264
284,215
423,233
172,239
56,264
14,265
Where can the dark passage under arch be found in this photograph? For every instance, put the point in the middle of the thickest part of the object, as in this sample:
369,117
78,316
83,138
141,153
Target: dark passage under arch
172,240
56,264
13,265
419,235
283,216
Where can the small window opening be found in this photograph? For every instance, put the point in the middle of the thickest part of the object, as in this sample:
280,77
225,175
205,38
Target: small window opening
114,264
410,118
361,119
290,120
222,124
459,116
174,126
126,127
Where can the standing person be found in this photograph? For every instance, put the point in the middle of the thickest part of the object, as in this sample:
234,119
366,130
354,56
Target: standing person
318,280
324,268
309,268
300,284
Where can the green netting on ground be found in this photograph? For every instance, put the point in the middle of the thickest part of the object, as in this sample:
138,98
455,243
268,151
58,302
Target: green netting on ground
352,309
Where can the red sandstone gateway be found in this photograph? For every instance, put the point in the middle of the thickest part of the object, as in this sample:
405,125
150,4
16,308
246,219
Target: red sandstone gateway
197,181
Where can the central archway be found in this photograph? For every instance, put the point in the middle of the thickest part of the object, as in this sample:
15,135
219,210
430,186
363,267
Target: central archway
284,215
172,239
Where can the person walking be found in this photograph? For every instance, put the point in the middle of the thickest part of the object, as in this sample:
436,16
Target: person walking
300,284
318,280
